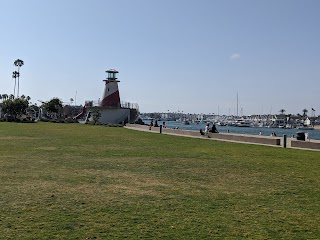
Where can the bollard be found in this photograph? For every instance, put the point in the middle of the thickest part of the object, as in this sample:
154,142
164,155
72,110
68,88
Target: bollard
284,140
160,128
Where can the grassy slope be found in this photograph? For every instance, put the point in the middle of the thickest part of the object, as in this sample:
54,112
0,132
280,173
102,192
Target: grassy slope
60,181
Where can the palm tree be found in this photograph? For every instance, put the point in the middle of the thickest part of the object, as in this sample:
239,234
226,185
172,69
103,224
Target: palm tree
282,111
18,63
305,112
314,112
0,97
11,96
5,96
15,75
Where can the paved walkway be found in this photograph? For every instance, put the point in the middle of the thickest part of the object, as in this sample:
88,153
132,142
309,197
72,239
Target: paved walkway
191,136
156,130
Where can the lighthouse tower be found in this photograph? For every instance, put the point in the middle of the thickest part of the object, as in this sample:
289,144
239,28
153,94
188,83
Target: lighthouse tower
110,109
111,96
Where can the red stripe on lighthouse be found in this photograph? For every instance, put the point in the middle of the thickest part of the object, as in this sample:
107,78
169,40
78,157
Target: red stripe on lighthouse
112,100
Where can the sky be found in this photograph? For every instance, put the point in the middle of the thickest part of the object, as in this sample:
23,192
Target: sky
191,56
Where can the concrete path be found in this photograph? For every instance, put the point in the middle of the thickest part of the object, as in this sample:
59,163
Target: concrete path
194,134
155,130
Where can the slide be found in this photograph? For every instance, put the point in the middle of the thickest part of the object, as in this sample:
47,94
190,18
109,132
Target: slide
83,112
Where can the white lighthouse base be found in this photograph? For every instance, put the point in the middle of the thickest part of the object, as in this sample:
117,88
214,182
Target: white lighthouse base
109,115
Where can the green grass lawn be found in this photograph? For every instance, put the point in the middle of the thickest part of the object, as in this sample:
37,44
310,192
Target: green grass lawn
74,181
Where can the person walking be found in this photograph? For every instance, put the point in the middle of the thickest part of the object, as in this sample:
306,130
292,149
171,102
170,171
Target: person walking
150,125
206,130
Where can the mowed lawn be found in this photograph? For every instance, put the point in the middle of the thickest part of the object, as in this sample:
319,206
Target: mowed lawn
74,181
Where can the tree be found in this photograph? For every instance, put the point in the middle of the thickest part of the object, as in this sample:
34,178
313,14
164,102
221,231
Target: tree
53,106
4,96
96,114
18,63
282,111
15,106
33,109
305,112
15,75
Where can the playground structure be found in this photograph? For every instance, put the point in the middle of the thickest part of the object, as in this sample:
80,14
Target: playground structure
110,109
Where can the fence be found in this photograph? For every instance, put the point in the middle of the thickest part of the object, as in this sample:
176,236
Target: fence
113,104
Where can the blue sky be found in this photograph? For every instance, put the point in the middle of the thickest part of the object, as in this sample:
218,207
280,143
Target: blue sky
177,55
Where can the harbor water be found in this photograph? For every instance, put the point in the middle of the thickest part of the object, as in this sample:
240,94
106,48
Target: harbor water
312,134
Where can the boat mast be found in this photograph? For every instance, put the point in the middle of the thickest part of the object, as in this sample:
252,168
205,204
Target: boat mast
237,105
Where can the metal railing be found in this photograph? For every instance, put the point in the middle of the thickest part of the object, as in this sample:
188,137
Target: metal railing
112,105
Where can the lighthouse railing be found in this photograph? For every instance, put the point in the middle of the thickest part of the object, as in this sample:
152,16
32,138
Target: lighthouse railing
129,105
92,103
